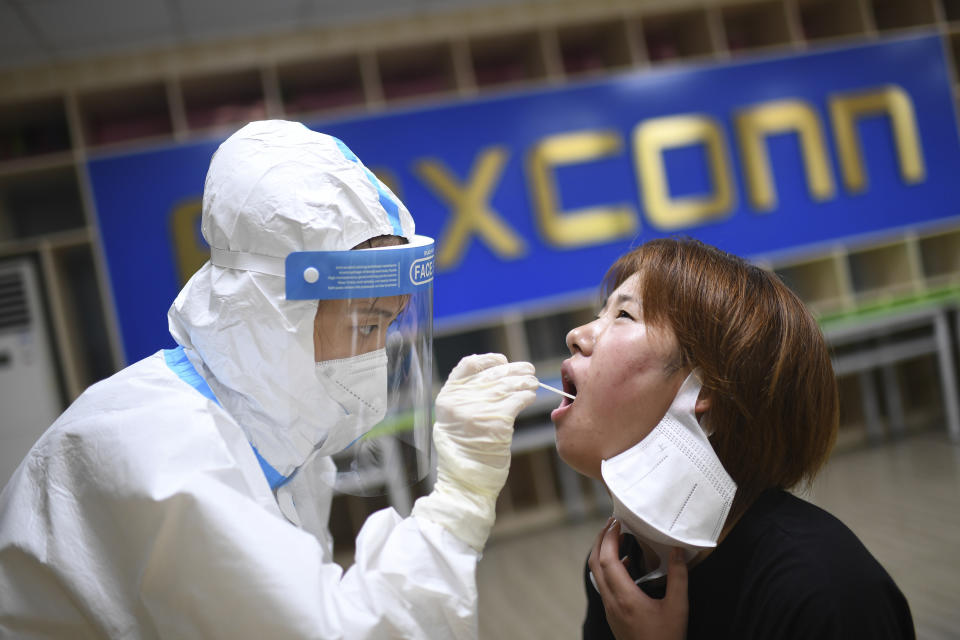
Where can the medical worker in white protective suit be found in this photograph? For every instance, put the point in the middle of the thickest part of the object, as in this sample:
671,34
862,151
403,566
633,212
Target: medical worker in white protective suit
187,496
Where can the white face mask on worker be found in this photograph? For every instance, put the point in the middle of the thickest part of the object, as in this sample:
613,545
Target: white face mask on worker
670,489
359,386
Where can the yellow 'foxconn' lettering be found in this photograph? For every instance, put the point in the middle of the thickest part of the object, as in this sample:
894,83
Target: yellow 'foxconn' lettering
651,138
755,123
845,109
189,250
579,227
470,211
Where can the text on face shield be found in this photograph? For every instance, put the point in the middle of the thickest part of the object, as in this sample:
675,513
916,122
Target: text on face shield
421,271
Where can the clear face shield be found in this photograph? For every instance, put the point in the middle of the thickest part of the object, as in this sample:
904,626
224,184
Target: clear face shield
371,389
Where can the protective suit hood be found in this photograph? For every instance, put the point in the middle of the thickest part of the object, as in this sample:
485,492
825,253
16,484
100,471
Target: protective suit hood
273,188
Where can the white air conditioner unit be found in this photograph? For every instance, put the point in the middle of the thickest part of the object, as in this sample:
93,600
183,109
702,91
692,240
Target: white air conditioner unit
29,392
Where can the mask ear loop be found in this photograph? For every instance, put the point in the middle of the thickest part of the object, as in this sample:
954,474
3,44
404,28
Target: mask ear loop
703,421
686,398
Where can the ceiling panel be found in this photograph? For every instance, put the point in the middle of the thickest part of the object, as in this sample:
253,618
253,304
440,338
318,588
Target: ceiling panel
45,31
13,31
18,44
431,5
222,17
322,13
66,24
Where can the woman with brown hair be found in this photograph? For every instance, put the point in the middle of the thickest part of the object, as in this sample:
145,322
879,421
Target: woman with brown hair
704,392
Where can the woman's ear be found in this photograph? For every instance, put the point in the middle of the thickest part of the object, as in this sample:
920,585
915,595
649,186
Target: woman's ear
703,404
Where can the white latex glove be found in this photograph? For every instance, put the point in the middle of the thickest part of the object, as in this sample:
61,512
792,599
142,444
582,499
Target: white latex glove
475,411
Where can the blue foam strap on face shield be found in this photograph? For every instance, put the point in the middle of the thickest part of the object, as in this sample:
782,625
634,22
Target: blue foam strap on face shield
386,200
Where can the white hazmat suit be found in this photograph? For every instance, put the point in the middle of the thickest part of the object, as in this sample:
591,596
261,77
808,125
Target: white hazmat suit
144,512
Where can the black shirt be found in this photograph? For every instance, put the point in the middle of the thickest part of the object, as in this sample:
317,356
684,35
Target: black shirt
788,569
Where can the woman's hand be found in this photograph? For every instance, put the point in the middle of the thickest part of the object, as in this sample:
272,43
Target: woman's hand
631,613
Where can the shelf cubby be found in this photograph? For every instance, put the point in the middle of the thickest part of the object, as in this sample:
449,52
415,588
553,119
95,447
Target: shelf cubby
757,25
74,281
448,349
852,430
818,281
546,334
919,383
310,86
940,258
531,483
125,113
831,18
506,59
417,71
882,272
594,47
902,14
954,51
951,10
223,98
35,203
33,128
683,34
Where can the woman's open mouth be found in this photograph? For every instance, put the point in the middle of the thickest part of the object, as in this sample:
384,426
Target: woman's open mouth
568,387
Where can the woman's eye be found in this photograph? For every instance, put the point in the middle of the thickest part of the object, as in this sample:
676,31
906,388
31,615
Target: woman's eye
624,314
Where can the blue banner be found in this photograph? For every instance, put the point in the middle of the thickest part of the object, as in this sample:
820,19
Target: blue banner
531,195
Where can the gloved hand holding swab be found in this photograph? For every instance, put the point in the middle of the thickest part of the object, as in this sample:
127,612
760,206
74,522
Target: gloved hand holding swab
555,390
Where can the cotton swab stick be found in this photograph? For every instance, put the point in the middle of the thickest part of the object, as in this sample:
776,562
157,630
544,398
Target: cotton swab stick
562,393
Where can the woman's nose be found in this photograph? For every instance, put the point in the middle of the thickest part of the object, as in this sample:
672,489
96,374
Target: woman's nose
580,340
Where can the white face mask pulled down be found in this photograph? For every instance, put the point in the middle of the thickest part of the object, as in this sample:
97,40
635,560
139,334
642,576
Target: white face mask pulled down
670,490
